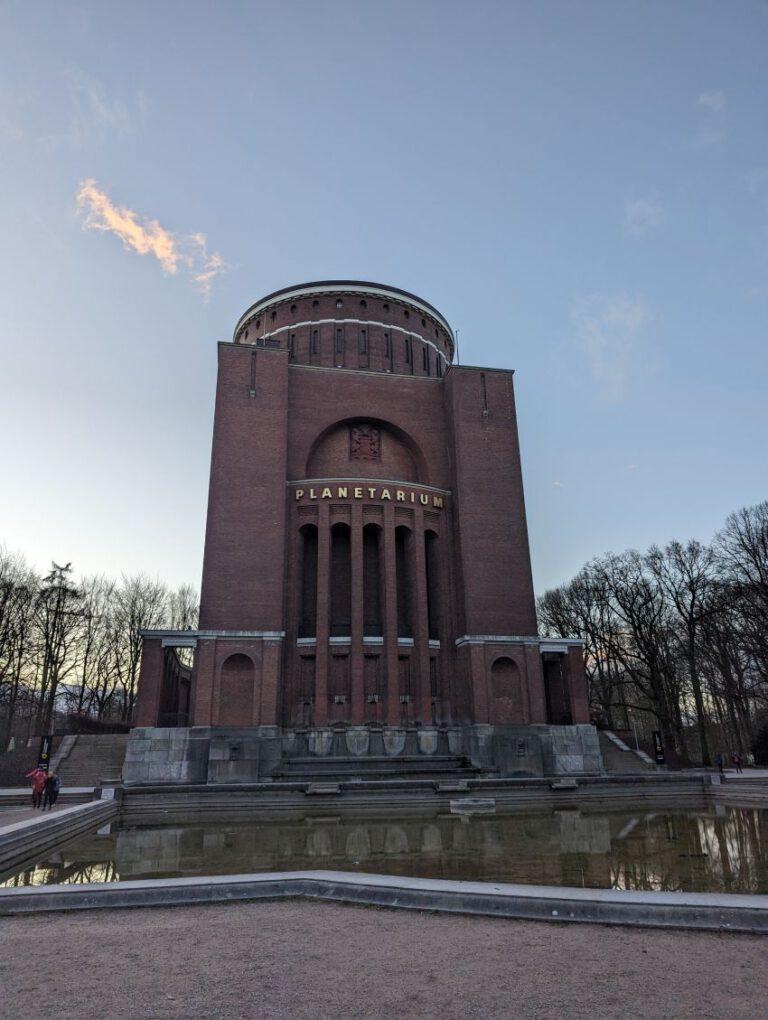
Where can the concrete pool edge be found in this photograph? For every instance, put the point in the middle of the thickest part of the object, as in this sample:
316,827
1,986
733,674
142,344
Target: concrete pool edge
20,840
702,911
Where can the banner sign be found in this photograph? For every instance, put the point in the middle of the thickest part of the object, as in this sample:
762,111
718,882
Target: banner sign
44,757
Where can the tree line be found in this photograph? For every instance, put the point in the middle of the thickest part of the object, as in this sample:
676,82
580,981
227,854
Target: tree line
75,647
676,639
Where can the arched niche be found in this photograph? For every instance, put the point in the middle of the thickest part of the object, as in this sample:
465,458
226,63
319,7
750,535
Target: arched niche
236,691
366,448
506,689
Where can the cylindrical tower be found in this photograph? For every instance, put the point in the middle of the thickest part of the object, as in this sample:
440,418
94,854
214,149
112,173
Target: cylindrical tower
351,324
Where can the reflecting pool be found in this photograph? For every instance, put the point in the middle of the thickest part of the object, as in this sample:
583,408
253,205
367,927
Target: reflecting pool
718,849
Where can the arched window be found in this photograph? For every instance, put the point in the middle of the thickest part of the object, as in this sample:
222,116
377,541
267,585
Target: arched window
404,572
433,586
372,624
308,612
341,581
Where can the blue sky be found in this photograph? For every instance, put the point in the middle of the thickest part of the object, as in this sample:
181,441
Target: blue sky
581,188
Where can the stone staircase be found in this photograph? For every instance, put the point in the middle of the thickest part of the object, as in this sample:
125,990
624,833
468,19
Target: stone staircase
339,768
620,759
93,759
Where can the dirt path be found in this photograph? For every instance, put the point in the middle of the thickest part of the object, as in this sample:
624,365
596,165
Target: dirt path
294,959
19,813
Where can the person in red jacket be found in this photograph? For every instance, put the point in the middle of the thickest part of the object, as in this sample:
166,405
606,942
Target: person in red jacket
38,777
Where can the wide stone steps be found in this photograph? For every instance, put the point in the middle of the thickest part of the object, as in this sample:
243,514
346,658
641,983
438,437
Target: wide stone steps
93,758
376,767
618,762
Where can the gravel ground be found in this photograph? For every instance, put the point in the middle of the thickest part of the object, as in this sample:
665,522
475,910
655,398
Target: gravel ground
299,959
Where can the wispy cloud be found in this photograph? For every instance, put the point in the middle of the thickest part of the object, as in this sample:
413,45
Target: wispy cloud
757,185
94,113
642,216
557,485
186,252
83,114
609,332
713,117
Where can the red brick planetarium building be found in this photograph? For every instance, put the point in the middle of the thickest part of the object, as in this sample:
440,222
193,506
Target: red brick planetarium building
367,603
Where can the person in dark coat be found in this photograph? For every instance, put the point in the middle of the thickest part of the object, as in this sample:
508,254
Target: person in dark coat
51,792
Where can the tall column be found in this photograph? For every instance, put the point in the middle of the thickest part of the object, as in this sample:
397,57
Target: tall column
577,684
537,702
150,682
270,677
421,620
205,669
323,615
356,649
390,616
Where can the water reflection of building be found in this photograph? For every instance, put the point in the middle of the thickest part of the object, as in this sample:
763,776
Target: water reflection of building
697,851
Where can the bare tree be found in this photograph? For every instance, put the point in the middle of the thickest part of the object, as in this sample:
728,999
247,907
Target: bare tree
18,588
679,632
687,576
183,608
58,609
93,643
139,604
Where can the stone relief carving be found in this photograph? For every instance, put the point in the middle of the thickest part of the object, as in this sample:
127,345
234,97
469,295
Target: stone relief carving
364,442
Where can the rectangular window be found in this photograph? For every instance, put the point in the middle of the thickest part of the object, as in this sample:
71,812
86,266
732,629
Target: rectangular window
339,341
425,359
291,346
363,342
439,365
315,340
407,350
387,351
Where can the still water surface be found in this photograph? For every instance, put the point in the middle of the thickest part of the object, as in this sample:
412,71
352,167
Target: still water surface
723,849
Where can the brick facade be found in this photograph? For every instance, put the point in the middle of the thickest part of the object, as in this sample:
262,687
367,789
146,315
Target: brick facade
366,552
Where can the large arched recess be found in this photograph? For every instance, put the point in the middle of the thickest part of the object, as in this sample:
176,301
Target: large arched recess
236,691
398,457
507,691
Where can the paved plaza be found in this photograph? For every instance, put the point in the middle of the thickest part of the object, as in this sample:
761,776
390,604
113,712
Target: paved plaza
324,960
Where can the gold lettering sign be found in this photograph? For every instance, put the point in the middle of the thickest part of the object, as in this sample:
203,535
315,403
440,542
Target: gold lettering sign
370,492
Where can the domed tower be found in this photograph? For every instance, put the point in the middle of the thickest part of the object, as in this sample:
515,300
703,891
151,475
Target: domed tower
366,582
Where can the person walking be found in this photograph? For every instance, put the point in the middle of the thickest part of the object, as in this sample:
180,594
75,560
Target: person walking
721,764
736,759
38,777
51,792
